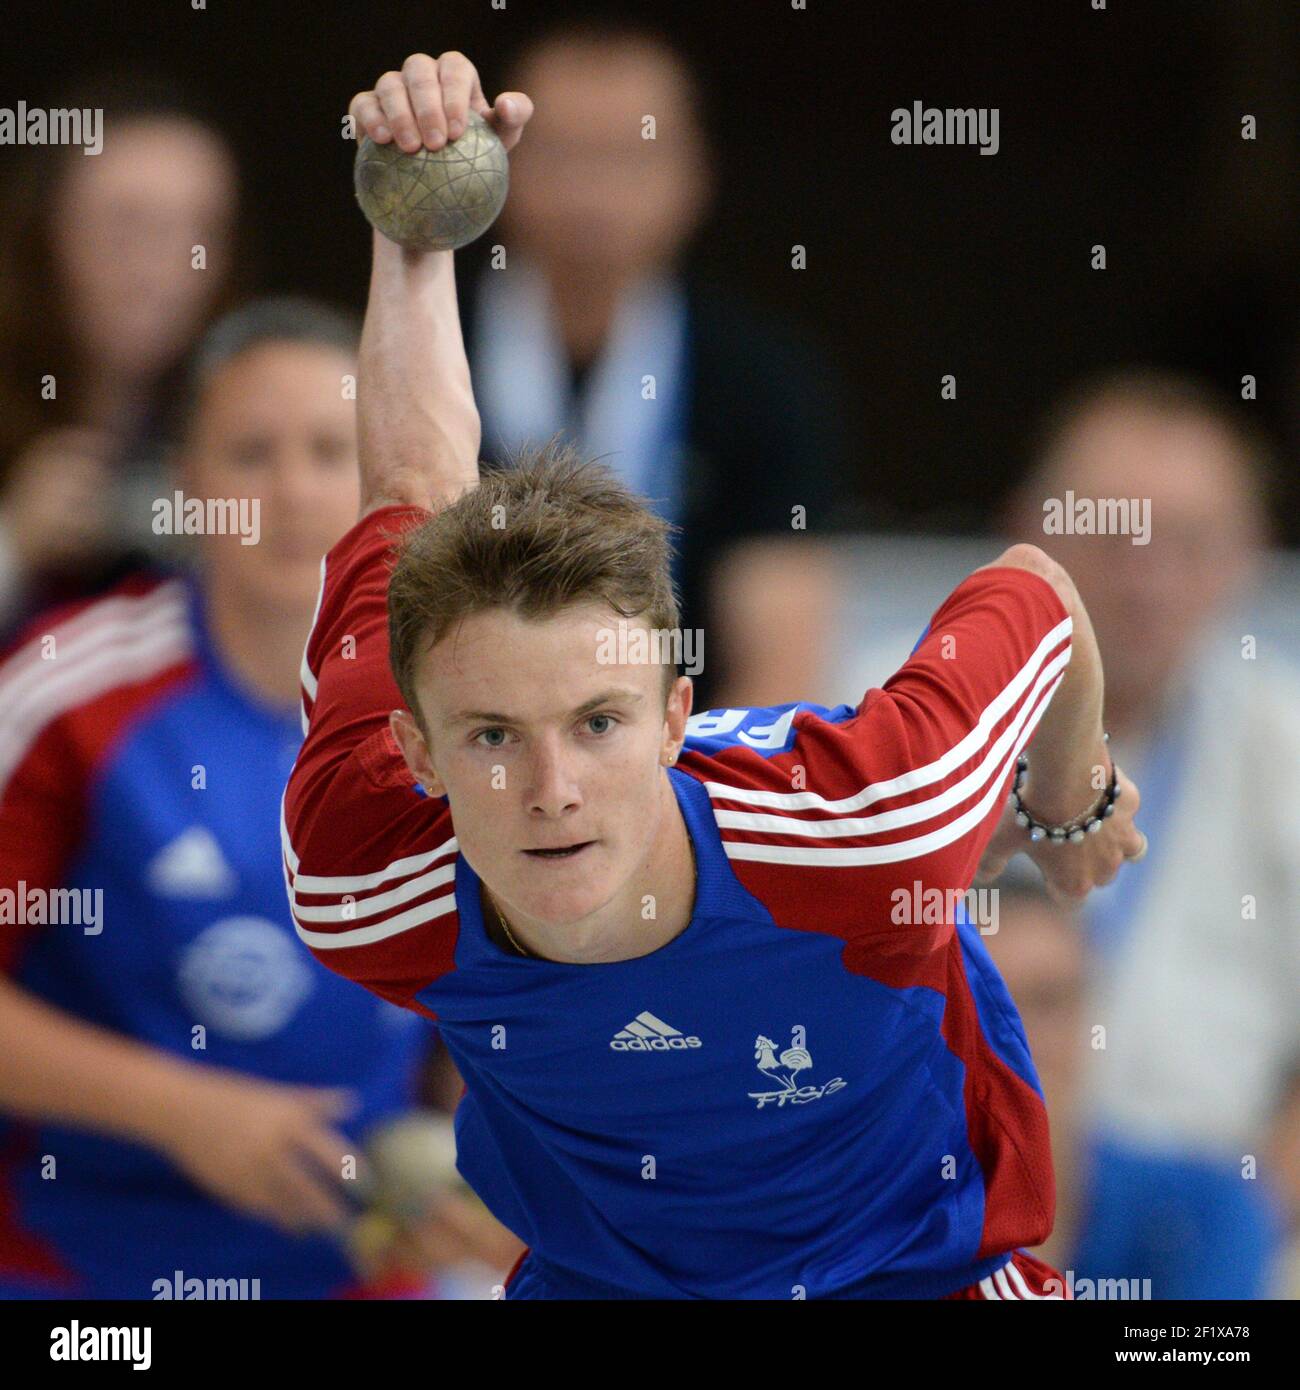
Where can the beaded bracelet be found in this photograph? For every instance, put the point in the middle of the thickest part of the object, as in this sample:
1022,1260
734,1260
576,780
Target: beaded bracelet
1072,831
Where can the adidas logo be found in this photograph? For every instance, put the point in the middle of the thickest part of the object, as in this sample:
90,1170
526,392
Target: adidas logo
646,1033
192,866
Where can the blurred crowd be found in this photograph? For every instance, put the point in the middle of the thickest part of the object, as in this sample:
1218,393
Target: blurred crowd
192,1073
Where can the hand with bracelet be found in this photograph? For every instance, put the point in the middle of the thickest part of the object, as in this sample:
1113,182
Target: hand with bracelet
1069,807
1087,850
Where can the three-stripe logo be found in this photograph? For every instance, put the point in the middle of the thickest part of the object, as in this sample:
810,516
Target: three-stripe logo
646,1033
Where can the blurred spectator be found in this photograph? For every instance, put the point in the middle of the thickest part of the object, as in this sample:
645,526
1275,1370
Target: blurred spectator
110,264
184,1080
592,303
1039,952
1196,950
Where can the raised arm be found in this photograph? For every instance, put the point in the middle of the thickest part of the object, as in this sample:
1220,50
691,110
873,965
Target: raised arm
418,425
367,857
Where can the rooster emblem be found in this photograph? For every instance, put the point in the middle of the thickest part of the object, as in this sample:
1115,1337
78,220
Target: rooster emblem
793,1060
784,1069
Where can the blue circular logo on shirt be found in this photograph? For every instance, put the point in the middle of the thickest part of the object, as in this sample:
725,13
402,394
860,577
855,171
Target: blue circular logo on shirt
244,977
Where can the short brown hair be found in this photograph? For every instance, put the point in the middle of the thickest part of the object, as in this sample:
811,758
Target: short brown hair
549,531
1173,394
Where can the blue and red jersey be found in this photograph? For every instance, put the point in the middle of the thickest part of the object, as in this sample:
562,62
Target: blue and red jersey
133,766
806,1093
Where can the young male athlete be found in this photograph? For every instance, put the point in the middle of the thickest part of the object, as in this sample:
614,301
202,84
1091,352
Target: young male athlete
710,1047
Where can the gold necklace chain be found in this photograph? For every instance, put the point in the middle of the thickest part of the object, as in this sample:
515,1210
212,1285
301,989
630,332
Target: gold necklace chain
505,926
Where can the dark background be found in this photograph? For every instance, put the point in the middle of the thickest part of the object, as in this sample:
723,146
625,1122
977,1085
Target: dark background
1119,126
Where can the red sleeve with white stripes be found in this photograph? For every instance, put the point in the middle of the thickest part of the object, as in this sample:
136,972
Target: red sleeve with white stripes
70,685
369,860
902,798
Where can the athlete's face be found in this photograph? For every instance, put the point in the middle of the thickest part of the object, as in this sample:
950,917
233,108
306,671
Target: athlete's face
539,743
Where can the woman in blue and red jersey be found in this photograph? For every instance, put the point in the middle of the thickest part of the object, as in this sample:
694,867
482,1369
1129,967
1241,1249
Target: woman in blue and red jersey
182,1083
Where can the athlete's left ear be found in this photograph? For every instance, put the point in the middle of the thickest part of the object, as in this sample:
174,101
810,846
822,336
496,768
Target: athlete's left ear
406,732
677,712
